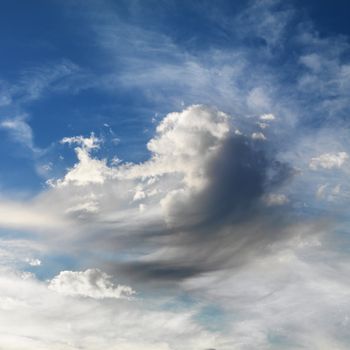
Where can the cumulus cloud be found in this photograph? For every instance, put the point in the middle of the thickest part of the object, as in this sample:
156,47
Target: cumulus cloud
183,144
328,161
214,180
199,192
258,136
88,170
91,283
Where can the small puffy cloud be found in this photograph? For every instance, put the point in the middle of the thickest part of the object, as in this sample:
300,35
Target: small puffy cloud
92,283
33,262
328,161
258,136
276,199
267,117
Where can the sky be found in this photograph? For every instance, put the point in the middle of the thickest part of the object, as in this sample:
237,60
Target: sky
174,175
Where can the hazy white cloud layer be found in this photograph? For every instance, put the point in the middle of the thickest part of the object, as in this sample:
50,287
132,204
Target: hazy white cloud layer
37,317
203,213
230,234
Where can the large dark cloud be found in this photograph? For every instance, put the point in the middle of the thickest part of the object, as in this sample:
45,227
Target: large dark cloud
239,175
198,204
226,222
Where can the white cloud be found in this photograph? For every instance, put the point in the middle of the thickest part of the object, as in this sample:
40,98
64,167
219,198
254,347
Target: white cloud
87,170
94,201
258,136
27,307
87,143
328,161
33,262
92,283
29,216
139,195
267,117
184,143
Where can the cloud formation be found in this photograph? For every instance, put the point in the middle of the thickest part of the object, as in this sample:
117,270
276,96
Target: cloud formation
231,226
328,160
202,190
91,283
203,200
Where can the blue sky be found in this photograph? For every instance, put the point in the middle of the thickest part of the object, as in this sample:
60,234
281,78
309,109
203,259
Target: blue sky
174,175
